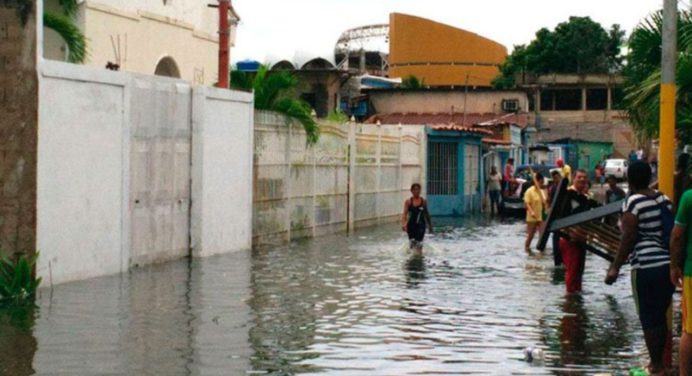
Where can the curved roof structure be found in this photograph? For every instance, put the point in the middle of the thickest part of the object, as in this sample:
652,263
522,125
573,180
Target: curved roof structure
283,65
318,63
441,55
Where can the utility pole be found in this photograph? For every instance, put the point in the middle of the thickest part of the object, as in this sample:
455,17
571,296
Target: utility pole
666,159
224,41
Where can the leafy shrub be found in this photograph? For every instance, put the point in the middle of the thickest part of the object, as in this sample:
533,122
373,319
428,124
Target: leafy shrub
17,283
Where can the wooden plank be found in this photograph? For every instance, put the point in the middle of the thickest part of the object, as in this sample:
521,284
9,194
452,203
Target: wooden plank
586,216
554,213
611,235
592,249
599,253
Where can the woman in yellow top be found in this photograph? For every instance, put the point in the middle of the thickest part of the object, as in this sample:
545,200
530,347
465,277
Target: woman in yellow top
535,201
565,169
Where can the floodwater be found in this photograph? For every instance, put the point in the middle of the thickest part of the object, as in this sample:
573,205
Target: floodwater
338,305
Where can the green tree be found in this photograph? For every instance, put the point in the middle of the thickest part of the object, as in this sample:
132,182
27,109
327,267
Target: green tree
643,76
579,46
274,92
63,24
412,83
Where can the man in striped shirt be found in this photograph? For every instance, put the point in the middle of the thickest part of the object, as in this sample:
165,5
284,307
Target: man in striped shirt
644,241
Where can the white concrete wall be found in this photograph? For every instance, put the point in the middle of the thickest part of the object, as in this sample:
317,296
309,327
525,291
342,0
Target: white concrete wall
82,173
222,168
105,143
303,191
445,101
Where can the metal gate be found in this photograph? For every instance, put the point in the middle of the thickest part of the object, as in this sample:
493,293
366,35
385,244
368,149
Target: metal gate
471,177
160,172
442,168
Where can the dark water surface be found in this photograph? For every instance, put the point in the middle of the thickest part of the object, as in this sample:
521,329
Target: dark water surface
359,305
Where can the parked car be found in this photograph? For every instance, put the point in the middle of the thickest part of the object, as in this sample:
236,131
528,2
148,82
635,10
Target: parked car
513,203
617,168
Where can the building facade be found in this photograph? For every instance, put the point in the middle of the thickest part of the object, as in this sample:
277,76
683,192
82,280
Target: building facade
176,38
441,55
583,107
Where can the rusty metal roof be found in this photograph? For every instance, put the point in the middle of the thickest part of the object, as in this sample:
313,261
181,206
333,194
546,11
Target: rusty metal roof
456,118
460,128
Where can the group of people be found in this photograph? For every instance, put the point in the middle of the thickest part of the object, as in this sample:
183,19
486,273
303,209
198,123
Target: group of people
656,240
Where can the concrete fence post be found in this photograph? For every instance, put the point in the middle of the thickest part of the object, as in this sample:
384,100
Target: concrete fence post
352,151
378,181
289,193
314,190
400,168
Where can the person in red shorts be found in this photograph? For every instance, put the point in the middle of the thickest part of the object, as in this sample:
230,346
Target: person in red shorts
573,251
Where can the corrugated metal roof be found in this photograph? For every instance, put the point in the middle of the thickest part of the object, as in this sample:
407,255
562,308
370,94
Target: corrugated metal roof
495,141
460,128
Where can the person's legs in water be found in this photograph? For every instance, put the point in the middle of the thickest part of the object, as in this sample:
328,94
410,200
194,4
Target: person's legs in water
653,293
557,256
494,202
685,350
415,235
573,257
531,229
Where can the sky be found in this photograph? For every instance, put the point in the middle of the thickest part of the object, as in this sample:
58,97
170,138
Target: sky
271,30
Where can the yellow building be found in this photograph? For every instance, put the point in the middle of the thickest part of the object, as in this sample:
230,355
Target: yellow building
441,55
169,38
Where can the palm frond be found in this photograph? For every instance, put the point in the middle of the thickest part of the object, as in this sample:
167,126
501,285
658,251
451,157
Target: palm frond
301,112
73,37
273,87
241,80
274,92
70,7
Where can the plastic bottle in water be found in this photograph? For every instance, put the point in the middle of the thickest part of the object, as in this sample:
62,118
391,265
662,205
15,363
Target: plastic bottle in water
533,354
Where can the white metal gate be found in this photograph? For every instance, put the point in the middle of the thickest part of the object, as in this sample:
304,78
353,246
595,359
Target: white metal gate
160,171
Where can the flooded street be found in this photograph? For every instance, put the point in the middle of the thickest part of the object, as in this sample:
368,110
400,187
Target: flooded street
359,305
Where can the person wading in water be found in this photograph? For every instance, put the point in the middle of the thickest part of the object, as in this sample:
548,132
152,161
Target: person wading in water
416,218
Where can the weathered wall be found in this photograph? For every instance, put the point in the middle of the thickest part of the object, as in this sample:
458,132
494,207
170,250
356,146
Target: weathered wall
356,175
18,130
222,171
609,126
82,195
387,102
143,33
115,170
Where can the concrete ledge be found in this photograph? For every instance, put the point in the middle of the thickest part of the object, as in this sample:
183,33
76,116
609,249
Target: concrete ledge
74,72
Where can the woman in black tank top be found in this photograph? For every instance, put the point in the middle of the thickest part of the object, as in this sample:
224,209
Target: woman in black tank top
416,217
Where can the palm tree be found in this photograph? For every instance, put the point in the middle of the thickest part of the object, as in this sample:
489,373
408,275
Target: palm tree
273,92
63,24
643,76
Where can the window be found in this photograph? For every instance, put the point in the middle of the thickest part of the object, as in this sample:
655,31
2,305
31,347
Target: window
561,100
510,105
596,99
442,168
617,95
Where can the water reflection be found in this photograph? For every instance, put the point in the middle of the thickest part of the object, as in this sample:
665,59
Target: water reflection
593,328
359,305
17,342
415,269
